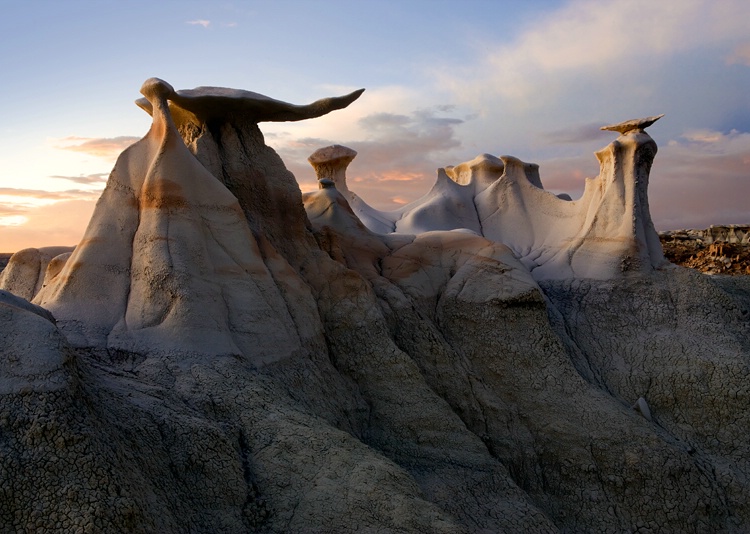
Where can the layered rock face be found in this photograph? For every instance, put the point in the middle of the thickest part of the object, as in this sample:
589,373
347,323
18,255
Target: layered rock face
225,354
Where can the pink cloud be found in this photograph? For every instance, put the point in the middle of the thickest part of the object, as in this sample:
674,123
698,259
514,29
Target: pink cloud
102,147
398,158
740,55
10,210
62,223
91,179
692,188
54,196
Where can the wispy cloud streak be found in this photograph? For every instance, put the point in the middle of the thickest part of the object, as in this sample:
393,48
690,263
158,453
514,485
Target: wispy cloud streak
103,147
396,160
98,179
53,196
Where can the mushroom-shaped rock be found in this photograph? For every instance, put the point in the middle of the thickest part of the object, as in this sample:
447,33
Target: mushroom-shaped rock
169,263
331,162
220,127
637,125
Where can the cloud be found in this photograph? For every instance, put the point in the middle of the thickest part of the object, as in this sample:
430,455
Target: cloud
591,63
11,215
51,196
102,147
397,158
92,179
399,176
400,201
703,136
606,36
605,59
18,208
7,209
12,220
62,223
576,134
199,22
696,183
381,121
740,55
568,175
712,142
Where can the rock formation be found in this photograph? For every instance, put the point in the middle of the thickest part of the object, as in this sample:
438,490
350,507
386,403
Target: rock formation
605,233
31,268
729,233
715,250
225,354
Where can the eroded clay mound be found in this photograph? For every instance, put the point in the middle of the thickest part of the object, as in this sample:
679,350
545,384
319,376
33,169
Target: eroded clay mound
30,269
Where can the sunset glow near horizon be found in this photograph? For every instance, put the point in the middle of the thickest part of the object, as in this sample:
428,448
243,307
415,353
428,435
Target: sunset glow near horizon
445,81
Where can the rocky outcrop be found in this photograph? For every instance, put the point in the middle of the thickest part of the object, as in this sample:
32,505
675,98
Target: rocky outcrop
227,354
177,268
606,233
30,269
728,233
716,250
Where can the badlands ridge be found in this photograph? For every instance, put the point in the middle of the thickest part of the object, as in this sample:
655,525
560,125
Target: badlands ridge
221,353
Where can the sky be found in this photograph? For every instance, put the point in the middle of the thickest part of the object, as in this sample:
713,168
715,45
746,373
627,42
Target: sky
445,81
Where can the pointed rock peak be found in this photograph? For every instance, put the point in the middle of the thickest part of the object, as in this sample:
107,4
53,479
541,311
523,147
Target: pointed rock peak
210,103
632,125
